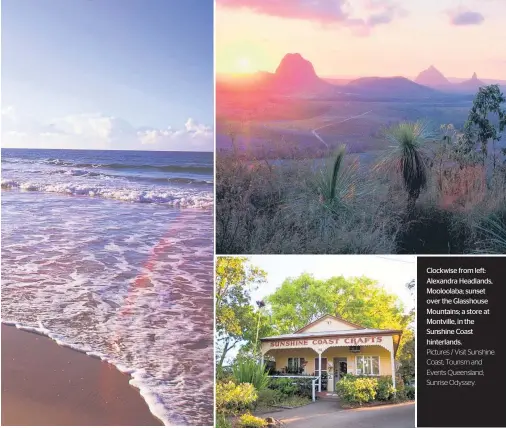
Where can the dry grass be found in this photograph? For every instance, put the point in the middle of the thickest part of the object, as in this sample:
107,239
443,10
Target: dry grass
267,208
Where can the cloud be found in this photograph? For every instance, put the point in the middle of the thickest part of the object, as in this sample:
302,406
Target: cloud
194,135
325,11
461,17
97,131
384,12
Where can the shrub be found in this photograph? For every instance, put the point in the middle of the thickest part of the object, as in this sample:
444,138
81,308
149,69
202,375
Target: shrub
357,389
289,387
247,370
269,397
224,374
285,386
250,421
410,392
232,398
222,421
385,390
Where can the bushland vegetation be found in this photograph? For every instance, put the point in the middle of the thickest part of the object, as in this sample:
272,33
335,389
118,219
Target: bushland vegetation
433,191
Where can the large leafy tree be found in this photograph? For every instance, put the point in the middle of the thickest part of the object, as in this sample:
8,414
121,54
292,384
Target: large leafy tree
302,300
486,120
235,316
406,356
406,352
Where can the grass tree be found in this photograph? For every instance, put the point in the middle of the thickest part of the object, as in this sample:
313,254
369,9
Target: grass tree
407,156
336,183
493,231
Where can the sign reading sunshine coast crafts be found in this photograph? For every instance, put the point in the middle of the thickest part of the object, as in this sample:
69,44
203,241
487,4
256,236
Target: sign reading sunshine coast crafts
340,341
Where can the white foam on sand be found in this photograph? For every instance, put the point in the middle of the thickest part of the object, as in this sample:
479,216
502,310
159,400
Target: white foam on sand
132,286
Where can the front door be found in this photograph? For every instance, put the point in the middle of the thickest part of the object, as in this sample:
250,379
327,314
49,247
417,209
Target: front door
324,376
340,368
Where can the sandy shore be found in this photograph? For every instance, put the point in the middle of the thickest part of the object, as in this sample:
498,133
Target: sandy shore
47,384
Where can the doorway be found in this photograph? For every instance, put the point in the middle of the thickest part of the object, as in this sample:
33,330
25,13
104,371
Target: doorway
340,369
324,375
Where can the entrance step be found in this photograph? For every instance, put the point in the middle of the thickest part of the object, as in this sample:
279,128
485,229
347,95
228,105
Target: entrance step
327,396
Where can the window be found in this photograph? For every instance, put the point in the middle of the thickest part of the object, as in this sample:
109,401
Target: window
295,365
368,366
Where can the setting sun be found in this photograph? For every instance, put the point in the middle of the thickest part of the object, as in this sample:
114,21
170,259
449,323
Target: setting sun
243,65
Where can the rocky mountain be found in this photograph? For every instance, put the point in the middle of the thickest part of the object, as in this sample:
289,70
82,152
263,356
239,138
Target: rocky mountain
472,85
432,78
296,74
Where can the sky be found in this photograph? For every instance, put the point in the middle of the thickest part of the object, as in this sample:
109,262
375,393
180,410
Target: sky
345,38
108,74
391,272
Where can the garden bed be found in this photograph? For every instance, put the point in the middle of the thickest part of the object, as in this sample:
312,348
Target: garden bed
289,403
349,406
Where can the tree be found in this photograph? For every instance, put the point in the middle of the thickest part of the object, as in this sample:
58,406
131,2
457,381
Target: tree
479,128
406,351
407,156
235,279
304,299
406,356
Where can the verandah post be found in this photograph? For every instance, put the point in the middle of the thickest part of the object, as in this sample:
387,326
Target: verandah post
320,372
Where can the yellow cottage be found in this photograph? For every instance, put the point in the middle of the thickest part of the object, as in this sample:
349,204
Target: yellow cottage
338,347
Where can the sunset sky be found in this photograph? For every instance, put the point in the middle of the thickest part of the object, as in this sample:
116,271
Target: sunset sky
369,38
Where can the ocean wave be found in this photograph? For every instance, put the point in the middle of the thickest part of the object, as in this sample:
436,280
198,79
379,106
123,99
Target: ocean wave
175,197
93,174
190,168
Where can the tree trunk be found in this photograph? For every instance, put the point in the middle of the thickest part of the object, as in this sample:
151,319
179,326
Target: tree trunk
412,197
223,354
493,155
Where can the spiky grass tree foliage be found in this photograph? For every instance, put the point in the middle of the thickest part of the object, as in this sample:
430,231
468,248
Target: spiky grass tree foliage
493,230
408,156
337,184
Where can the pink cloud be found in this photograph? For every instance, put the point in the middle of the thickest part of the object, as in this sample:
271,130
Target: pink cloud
461,17
323,11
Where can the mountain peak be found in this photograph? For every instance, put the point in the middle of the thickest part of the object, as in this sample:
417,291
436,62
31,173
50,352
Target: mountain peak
432,77
292,61
295,73
475,76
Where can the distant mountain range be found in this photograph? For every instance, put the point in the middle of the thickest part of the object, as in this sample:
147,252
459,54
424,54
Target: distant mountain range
433,78
296,76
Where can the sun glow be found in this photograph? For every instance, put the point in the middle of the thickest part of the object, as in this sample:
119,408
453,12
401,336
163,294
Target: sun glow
243,65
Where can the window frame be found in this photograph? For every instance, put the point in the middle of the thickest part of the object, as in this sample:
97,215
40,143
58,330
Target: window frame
370,358
301,360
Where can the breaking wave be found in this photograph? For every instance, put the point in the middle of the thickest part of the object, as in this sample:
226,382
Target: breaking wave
179,198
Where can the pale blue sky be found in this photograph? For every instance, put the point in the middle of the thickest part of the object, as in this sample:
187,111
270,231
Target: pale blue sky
117,67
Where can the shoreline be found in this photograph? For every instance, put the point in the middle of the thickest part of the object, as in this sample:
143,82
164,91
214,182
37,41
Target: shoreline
44,383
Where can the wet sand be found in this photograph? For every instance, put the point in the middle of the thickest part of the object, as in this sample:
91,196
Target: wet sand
47,384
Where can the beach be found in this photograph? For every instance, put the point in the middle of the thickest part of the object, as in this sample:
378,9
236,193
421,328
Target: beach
111,254
47,384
